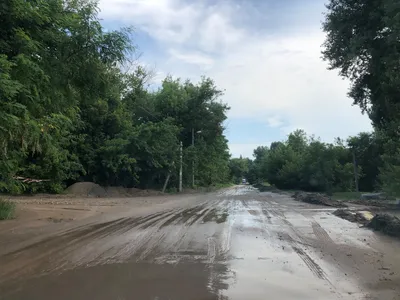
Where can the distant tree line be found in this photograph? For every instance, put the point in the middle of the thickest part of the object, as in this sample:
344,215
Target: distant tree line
69,113
306,163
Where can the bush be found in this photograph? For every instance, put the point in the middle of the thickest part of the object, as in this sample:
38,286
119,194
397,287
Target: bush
7,209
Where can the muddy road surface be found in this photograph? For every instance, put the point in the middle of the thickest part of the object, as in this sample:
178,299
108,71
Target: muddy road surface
234,244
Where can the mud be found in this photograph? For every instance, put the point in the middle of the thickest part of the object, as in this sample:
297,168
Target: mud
316,198
351,216
234,244
386,223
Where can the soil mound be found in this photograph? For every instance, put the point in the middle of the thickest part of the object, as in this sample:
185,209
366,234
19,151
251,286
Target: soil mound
386,223
86,189
348,215
316,198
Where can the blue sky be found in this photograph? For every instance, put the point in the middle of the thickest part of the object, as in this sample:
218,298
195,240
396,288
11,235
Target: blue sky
266,54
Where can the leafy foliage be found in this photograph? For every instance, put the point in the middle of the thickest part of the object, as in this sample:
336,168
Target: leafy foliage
363,44
239,169
7,209
306,163
68,112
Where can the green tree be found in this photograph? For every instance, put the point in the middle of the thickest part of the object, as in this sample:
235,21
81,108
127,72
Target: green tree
363,44
304,163
69,113
367,149
239,169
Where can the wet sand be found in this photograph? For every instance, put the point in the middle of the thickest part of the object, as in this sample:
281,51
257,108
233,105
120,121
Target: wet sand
234,244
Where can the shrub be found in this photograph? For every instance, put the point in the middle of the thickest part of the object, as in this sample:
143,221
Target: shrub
7,209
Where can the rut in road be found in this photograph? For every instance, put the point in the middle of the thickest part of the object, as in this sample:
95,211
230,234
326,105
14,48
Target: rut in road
274,215
112,241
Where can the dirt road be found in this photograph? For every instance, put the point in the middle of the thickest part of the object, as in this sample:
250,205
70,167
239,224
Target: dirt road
235,244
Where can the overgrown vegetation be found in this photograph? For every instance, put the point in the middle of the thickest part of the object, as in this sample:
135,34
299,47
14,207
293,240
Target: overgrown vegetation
69,113
363,44
306,163
7,209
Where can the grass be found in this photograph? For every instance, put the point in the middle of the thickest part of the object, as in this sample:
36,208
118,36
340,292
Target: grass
7,209
347,196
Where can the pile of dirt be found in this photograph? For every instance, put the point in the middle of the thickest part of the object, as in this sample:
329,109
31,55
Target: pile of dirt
86,189
316,198
386,223
355,217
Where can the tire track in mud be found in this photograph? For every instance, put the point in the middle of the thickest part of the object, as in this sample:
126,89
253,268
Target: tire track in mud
141,239
185,218
226,234
294,243
82,233
174,252
211,250
52,252
320,233
311,264
106,255
267,215
152,235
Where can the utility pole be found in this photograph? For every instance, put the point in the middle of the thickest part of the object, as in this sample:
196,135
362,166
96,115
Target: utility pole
193,153
355,170
180,167
166,182
193,158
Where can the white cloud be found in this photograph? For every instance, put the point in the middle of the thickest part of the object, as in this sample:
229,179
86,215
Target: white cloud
274,121
264,73
195,58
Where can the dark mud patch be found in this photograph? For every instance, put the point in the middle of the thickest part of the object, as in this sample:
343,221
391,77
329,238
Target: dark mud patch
124,281
216,216
386,223
253,212
350,216
320,233
185,216
316,198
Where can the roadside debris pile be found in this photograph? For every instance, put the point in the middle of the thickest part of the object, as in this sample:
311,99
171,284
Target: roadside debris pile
90,189
355,217
316,198
386,223
86,189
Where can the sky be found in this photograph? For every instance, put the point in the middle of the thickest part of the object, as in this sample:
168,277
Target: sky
265,55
